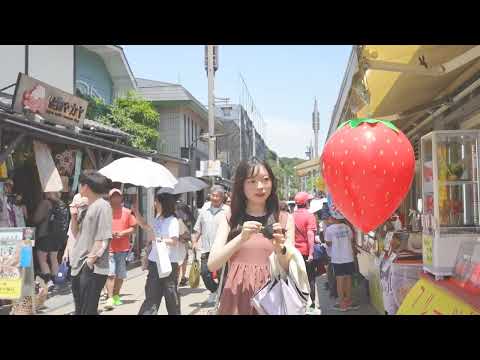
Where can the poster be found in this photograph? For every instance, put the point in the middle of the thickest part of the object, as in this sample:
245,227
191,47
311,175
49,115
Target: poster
15,262
425,298
10,272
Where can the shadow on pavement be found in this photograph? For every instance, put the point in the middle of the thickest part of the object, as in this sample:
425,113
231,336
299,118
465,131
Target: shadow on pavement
202,305
188,291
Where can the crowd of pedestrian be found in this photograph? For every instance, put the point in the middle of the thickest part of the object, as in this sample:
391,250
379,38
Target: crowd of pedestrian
246,237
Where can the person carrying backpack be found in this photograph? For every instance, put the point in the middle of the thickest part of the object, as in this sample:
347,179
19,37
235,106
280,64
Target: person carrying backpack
52,219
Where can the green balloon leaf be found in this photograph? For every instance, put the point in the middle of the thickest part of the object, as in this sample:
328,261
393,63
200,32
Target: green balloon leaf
356,122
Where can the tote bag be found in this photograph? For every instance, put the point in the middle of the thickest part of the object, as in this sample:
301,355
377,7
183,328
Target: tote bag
280,297
194,275
164,266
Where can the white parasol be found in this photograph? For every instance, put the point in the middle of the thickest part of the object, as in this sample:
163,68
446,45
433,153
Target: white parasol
316,205
139,172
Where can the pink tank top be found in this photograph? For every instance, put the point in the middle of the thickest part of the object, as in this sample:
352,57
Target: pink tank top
248,272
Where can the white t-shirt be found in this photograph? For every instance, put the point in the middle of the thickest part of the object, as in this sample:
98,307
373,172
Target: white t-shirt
167,227
341,237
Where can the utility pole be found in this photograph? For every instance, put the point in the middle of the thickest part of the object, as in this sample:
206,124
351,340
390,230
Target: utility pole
211,65
211,102
316,128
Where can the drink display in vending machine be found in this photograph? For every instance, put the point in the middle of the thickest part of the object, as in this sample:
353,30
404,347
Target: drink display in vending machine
450,193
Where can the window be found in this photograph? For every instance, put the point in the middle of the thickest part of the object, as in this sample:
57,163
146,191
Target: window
188,132
185,129
192,131
83,87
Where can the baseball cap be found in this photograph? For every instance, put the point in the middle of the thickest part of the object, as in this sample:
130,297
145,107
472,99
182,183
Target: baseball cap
302,197
114,191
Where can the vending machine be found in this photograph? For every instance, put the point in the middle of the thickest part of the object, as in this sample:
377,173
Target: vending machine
450,193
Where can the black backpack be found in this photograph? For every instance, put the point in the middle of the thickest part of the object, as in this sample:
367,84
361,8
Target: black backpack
59,219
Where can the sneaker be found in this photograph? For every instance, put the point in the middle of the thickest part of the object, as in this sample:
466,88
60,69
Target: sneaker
340,307
104,297
109,305
313,311
212,298
117,301
353,306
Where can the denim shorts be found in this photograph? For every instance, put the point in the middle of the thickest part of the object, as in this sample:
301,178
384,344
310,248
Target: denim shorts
118,265
344,269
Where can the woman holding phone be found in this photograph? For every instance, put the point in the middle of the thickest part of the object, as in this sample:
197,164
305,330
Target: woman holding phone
165,226
252,257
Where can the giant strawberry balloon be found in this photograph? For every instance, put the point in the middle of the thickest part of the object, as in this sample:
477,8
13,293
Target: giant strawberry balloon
368,166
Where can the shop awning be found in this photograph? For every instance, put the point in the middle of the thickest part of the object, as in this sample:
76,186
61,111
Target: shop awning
392,93
48,133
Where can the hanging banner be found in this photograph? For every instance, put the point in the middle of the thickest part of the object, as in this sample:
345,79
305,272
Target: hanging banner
52,104
425,298
47,171
78,169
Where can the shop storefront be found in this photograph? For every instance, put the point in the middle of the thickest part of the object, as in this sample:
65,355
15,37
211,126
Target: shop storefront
45,150
422,249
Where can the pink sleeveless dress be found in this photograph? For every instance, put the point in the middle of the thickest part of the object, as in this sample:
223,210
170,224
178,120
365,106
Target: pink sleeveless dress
248,272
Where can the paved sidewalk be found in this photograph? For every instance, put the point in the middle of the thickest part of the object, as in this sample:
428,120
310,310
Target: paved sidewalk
359,295
133,294
193,301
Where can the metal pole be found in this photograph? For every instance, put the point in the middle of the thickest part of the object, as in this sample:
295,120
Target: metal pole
211,105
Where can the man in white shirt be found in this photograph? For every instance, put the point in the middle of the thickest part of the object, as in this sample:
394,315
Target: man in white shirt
340,237
206,228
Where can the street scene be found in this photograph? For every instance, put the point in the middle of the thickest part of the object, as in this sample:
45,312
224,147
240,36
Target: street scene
239,180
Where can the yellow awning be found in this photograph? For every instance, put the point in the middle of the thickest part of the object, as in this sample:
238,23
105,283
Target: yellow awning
395,92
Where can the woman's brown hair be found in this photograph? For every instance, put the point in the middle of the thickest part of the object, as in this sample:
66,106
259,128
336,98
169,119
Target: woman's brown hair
168,204
245,170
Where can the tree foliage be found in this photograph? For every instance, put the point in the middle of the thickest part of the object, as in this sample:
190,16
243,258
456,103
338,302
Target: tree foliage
283,168
131,114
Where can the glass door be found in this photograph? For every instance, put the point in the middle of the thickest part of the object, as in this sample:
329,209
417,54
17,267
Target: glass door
458,195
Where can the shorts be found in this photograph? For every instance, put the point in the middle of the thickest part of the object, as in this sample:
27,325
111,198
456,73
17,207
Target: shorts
51,243
345,269
118,265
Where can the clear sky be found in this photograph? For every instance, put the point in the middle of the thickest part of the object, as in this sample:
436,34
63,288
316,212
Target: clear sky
283,81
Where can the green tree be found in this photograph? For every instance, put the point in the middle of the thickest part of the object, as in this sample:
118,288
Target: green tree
284,168
131,114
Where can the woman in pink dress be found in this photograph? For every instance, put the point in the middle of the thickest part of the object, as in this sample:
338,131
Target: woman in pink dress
253,258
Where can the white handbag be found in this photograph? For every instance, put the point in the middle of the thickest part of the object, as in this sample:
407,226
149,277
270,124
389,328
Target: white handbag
280,297
164,265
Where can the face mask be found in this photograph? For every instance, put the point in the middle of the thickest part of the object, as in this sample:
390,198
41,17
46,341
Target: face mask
214,211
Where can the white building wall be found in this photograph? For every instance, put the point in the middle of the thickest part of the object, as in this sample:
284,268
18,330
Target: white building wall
53,64
12,61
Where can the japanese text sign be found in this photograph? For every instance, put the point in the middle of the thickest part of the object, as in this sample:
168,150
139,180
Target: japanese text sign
52,104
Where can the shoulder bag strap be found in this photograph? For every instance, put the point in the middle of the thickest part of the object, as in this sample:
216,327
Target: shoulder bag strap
220,288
